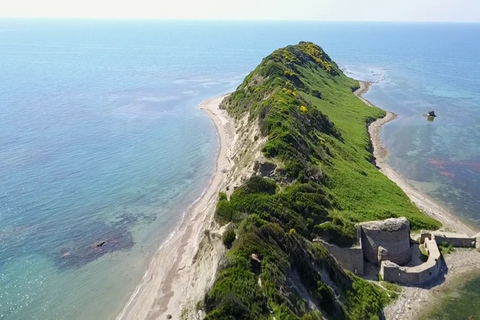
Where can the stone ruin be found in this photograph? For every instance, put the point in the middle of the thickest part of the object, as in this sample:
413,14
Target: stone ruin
386,240
414,275
387,245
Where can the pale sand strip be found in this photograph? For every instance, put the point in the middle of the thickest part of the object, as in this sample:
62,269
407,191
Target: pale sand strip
413,301
179,273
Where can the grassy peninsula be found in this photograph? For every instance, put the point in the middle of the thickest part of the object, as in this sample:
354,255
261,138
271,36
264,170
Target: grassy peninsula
325,181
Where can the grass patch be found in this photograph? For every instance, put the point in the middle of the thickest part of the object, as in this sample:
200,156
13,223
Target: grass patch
446,248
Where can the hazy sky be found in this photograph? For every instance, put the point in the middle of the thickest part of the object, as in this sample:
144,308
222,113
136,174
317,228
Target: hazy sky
377,10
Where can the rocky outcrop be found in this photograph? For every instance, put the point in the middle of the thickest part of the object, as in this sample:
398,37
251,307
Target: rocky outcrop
393,235
270,170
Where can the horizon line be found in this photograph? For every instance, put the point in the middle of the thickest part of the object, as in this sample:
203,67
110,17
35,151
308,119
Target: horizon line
229,20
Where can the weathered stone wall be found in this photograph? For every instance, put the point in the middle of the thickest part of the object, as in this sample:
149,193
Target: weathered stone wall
417,275
455,239
387,243
391,234
349,258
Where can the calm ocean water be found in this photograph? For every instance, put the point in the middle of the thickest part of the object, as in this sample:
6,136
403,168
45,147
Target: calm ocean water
100,138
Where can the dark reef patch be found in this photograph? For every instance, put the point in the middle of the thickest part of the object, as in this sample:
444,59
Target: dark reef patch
100,238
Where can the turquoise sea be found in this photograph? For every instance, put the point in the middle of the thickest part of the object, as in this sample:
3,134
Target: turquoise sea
101,140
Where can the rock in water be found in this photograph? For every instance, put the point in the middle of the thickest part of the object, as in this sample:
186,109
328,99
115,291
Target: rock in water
100,244
431,113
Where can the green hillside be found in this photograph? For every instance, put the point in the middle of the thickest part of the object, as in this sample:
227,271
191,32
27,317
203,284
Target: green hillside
317,132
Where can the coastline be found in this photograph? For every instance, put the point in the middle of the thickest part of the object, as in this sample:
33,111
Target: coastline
185,265
423,202
413,302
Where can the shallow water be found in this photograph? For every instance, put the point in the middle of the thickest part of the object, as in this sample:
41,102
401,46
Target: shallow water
458,303
100,138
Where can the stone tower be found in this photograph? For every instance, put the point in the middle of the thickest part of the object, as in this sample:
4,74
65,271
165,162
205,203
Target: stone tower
392,235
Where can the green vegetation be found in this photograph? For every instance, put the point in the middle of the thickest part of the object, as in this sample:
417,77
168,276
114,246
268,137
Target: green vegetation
316,128
446,248
424,253
228,237
393,289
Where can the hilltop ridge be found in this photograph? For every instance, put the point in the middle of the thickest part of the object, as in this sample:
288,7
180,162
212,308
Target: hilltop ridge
315,177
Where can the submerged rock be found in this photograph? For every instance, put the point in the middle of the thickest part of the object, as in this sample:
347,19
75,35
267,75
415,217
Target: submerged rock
96,240
100,243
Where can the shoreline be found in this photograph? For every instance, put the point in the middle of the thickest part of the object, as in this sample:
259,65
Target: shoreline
414,302
422,201
183,266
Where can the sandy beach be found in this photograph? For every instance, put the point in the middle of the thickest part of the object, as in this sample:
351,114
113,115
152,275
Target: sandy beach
185,266
413,301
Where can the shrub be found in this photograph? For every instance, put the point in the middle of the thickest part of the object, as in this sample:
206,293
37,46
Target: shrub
338,231
446,248
257,185
222,196
316,93
228,237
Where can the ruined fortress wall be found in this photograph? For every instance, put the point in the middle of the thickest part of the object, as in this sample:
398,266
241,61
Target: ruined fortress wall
455,239
391,234
409,275
414,275
349,258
